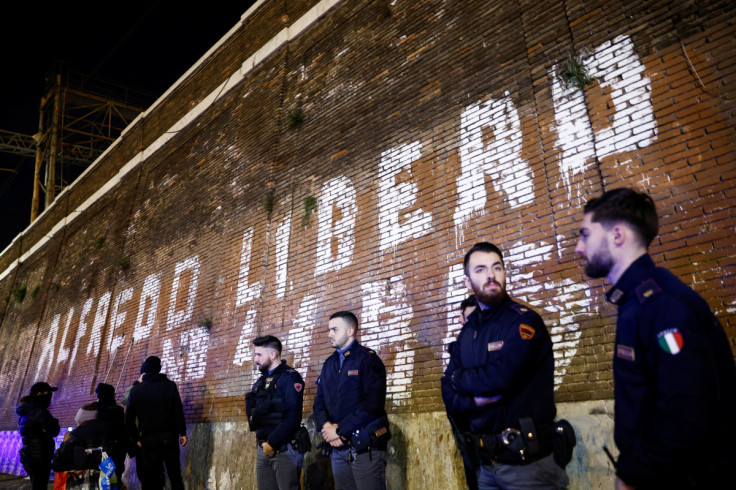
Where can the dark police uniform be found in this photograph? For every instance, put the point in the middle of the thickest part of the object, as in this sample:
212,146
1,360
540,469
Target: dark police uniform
275,413
675,384
353,397
505,352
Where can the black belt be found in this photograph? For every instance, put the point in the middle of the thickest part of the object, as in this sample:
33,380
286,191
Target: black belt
514,446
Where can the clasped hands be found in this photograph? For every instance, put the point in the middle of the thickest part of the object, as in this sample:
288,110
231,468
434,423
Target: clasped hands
330,435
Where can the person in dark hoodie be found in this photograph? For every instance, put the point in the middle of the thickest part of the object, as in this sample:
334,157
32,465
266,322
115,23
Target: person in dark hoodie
160,428
37,430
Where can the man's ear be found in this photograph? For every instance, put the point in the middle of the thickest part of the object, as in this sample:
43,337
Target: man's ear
619,234
468,284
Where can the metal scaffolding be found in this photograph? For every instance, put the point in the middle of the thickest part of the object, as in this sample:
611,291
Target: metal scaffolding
80,116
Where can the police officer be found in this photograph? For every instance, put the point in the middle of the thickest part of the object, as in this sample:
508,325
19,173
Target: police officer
467,306
500,381
674,373
37,430
274,410
350,408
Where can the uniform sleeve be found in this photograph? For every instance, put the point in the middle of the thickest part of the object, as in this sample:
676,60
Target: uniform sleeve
507,365
455,402
320,410
685,392
372,403
291,388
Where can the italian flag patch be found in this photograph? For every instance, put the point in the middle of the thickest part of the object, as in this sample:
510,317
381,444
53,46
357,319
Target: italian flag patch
670,341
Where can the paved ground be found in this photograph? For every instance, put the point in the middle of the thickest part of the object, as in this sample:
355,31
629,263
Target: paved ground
16,482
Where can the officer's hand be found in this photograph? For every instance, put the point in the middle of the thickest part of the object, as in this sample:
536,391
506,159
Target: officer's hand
183,440
329,434
268,450
620,485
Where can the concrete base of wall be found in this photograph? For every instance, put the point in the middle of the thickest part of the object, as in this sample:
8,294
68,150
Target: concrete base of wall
422,453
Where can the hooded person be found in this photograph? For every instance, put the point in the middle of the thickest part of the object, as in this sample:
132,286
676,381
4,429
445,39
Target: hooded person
99,424
37,428
154,419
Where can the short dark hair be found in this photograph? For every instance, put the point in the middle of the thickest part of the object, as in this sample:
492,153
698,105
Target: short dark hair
468,302
624,204
268,341
481,247
348,317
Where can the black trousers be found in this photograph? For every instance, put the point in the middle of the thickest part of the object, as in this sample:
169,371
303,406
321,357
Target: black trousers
154,456
39,470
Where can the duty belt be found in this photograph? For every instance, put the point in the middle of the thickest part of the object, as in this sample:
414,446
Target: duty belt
515,446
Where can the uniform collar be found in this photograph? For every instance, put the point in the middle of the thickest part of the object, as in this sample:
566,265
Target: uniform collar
639,270
481,314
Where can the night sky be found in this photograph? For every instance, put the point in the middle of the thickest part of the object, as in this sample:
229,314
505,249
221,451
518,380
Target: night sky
142,45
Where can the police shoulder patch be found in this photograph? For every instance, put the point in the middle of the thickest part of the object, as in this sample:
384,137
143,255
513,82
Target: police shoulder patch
647,290
670,341
526,331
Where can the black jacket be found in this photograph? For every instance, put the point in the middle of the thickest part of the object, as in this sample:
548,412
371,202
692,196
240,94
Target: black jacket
675,383
506,352
354,396
37,427
156,405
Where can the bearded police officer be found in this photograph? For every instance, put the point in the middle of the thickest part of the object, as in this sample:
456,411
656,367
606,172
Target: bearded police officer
274,410
674,372
350,408
500,383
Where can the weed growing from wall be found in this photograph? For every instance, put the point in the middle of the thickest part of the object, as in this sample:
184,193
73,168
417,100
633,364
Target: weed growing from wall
310,205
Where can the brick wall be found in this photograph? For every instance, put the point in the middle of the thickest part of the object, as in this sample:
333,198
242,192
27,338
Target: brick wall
429,126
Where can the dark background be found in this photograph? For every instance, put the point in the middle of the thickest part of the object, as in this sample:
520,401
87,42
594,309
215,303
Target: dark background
142,45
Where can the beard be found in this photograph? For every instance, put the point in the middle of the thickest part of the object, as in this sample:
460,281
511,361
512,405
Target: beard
264,367
489,298
600,264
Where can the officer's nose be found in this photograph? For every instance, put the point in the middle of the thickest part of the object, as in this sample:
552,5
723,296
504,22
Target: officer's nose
579,247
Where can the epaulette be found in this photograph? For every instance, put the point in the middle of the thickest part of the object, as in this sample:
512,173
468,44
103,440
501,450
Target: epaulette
520,309
366,349
647,290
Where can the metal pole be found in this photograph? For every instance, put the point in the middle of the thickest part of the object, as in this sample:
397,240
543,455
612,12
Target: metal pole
124,364
112,361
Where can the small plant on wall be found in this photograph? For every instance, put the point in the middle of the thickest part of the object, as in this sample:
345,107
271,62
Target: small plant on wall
310,205
99,242
296,118
574,74
124,262
206,323
34,292
268,202
19,293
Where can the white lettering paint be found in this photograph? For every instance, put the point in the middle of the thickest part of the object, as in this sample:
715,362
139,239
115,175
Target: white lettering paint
397,220
490,144
283,233
385,322
243,350
299,338
177,317
47,349
63,354
618,67
189,361
574,132
245,291
81,330
118,318
151,291
95,338
338,234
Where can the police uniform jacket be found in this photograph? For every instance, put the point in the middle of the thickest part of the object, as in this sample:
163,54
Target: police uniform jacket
504,351
156,403
354,396
675,381
286,387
